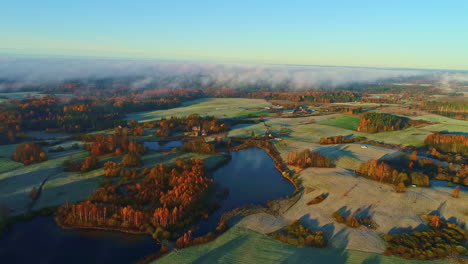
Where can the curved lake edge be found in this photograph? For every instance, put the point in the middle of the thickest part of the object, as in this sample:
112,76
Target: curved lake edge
49,218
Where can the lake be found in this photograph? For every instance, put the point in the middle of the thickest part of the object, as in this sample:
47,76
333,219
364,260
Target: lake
250,177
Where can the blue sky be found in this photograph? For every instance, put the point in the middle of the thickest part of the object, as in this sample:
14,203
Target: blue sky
410,34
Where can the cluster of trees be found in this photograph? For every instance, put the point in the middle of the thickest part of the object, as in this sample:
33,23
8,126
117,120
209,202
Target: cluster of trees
442,239
198,146
166,198
298,235
345,140
382,171
458,110
89,214
88,164
448,157
101,144
133,128
168,127
28,153
380,122
354,221
50,113
306,158
448,143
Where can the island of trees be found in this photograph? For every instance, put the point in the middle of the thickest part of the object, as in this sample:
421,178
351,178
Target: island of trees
381,122
161,201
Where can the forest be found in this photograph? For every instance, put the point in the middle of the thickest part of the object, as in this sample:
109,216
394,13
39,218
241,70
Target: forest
457,110
310,96
161,201
448,143
440,240
380,122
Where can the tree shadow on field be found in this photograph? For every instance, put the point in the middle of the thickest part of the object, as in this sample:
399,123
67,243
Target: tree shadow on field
440,210
336,152
409,229
216,256
372,260
313,224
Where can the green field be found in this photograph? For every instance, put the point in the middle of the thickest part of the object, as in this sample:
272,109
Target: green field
240,245
346,122
219,107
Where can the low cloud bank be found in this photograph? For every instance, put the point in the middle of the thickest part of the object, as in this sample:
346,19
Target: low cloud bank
163,74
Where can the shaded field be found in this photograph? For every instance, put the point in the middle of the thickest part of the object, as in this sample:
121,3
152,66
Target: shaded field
9,165
241,245
219,107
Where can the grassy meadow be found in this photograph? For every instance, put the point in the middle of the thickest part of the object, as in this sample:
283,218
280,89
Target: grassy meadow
240,245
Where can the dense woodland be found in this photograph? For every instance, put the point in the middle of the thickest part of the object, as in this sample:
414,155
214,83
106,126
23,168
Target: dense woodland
310,96
159,201
306,158
442,239
380,122
448,143
457,110
413,169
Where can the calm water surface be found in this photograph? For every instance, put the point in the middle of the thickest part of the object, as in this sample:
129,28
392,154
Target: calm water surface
250,177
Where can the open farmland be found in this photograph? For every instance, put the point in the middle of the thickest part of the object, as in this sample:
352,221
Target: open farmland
219,107
241,245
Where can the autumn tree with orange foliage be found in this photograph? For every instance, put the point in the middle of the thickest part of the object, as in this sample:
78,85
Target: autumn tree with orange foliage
306,158
28,153
172,196
448,143
456,192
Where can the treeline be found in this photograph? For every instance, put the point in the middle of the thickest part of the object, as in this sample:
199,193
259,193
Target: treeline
28,153
412,169
306,158
297,235
167,199
380,122
448,143
77,115
442,239
194,122
345,140
310,96
457,110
